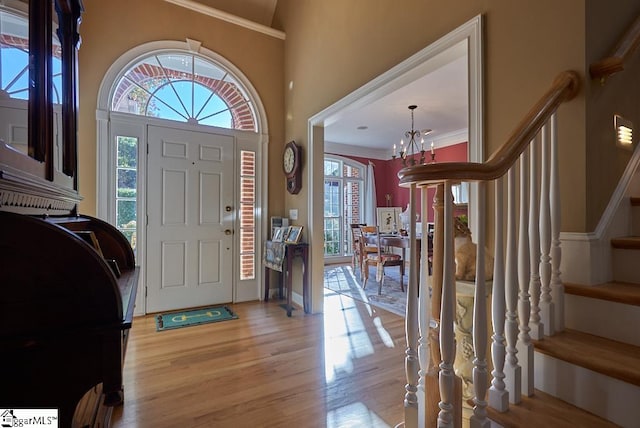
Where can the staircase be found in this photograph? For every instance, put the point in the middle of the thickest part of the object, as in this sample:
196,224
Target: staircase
589,374
562,355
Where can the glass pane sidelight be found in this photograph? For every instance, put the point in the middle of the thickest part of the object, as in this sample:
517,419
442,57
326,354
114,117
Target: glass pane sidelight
343,190
332,217
126,187
247,214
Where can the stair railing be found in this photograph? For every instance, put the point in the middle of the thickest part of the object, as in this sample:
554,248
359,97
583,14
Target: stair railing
527,292
621,53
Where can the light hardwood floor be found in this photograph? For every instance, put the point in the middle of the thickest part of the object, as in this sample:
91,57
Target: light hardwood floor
343,368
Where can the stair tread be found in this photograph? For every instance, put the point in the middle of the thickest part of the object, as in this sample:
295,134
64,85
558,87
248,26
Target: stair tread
544,410
609,357
620,292
626,242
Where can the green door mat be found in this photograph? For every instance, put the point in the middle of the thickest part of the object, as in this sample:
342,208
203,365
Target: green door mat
173,320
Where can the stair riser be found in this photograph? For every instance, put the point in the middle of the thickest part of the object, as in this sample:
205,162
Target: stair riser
626,265
601,395
603,318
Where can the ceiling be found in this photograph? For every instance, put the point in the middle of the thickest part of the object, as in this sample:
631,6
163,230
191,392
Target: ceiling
441,95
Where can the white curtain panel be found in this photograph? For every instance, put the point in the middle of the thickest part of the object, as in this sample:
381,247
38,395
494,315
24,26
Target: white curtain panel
370,202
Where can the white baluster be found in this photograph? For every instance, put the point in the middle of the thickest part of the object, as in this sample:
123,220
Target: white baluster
424,316
480,331
525,347
547,312
512,369
535,324
557,288
411,326
447,317
498,396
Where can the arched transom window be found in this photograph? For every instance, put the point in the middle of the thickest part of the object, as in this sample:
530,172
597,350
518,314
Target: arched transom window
184,87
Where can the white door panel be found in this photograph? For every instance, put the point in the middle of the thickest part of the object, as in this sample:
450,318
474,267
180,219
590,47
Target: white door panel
189,233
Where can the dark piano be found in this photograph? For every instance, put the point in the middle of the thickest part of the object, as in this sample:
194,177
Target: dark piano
64,314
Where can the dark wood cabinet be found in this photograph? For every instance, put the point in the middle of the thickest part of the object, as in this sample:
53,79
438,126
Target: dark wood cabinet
66,302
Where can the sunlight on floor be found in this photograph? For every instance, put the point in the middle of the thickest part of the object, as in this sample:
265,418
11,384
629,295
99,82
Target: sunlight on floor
345,335
355,415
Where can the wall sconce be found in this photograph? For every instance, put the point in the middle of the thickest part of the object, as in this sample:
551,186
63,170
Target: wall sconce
624,132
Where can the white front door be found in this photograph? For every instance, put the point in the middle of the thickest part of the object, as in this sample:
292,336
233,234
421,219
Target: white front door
190,193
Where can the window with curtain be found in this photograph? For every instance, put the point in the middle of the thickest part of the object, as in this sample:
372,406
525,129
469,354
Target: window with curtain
343,205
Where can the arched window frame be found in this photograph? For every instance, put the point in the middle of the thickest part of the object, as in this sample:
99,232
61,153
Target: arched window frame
140,85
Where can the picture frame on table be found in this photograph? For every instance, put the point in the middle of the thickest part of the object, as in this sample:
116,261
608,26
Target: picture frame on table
278,234
294,235
388,220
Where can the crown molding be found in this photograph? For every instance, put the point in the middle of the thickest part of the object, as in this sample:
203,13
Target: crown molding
216,13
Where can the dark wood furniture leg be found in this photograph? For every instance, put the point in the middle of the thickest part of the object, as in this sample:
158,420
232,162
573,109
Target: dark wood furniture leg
288,282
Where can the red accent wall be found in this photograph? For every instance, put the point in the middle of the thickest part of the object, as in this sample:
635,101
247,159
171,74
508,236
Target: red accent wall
386,175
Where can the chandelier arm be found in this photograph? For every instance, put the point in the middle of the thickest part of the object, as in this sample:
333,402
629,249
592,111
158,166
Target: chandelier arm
412,149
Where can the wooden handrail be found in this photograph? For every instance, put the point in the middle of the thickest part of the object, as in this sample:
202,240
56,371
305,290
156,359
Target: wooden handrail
623,50
565,86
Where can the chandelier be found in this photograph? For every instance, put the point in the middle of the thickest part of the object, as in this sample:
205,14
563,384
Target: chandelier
407,154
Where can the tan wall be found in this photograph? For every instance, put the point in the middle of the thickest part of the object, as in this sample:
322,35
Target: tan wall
111,28
620,94
333,47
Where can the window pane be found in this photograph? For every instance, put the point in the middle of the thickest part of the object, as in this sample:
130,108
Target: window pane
215,112
125,213
352,171
332,236
127,183
126,187
127,152
331,168
331,198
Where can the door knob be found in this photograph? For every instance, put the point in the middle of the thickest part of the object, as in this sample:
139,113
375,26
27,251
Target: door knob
228,208
228,232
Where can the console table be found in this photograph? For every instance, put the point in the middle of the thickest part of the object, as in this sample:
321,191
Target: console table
291,251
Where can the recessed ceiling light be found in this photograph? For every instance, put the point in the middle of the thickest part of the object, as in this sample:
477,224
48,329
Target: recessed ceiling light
362,127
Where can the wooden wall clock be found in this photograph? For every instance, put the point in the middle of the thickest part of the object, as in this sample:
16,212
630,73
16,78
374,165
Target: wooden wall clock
291,164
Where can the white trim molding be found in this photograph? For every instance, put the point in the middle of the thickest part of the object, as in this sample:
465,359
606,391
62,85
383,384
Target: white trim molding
587,257
233,19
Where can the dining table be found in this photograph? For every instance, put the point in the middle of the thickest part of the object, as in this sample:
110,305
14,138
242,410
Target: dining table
403,242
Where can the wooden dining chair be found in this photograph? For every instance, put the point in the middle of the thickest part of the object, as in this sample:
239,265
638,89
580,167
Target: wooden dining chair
380,259
356,246
365,248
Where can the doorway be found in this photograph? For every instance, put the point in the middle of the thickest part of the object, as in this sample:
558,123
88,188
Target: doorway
199,163
420,64
190,246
